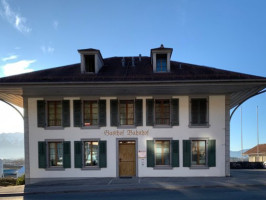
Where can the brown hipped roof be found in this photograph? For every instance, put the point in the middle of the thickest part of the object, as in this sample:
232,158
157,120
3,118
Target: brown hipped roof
113,71
262,149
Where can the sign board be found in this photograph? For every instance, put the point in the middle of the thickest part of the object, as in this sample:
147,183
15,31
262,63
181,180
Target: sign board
1,168
142,154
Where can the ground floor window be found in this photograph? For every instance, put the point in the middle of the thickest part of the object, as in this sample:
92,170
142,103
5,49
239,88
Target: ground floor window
91,157
198,152
90,154
55,154
162,152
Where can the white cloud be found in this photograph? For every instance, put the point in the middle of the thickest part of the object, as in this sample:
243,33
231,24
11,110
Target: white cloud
19,67
47,49
12,57
14,18
55,24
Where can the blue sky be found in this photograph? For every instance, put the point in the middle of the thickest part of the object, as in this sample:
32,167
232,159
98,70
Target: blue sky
228,34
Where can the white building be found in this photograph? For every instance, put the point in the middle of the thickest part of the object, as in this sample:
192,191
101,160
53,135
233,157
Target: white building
128,116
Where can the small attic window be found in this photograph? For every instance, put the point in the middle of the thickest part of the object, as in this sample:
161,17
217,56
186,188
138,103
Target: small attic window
161,62
89,63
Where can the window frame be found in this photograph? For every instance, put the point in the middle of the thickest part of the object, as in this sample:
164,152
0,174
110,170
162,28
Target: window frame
170,153
205,125
158,55
197,166
83,154
47,113
198,153
48,166
134,112
82,114
85,57
154,113
170,113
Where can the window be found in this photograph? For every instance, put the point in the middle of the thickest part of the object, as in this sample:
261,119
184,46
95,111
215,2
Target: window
161,62
126,112
89,63
90,154
90,113
53,113
199,112
162,112
55,150
198,152
54,154
91,157
162,152
54,117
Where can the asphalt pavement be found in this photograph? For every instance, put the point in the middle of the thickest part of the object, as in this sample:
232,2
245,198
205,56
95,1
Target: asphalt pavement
239,178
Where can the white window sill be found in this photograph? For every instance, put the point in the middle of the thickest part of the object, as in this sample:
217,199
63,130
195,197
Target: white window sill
126,127
199,167
199,126
90,127
167,167
54,128
162,126
91,168
55,169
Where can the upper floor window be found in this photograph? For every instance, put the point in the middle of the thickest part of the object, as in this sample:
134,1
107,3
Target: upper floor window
54,117
199,112
126,112
90,63
90,113
161,62
162,112
54,113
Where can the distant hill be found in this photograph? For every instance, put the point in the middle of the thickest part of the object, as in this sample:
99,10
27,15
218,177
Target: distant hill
237,156
11,145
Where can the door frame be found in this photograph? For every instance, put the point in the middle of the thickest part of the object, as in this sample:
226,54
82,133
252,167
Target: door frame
117,153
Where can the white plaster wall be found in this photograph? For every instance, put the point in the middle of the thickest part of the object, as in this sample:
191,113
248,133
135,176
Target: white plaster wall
182,132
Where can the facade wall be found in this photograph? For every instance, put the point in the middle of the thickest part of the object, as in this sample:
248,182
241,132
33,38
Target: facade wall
216,131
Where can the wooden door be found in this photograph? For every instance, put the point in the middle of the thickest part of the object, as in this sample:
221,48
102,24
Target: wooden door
127,158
